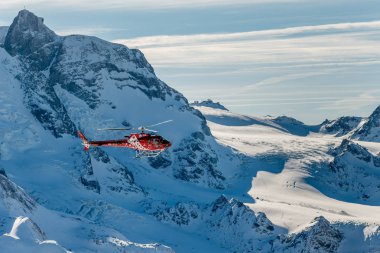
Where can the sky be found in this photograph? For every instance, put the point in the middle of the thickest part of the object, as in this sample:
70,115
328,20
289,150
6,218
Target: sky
308,59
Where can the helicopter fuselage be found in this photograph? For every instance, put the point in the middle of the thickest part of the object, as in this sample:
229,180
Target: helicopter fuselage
138,141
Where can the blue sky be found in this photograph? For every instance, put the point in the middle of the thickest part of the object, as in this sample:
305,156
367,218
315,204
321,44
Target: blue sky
304,58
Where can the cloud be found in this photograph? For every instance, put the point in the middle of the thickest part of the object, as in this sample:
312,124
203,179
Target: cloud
311,70
94,31
355,103
134,4
348,104
306,46
280,79
176,40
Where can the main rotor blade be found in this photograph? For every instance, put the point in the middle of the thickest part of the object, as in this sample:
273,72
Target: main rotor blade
113,129
163,122
150,130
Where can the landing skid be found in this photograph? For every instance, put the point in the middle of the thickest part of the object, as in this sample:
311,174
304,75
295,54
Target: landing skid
148,153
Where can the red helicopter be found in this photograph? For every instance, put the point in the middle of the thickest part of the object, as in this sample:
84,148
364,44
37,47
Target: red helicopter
145,144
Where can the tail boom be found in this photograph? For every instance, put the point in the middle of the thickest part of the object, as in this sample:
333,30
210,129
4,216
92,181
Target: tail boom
85,143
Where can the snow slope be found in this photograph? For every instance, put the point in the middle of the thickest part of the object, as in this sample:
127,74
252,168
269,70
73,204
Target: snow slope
282,123
293,183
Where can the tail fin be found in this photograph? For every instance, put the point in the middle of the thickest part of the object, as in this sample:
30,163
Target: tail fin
86,144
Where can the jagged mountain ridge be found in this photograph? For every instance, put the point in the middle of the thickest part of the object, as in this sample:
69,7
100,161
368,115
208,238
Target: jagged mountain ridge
353,127
353,174
340,126
357,128
217,113
93,70
53,85
369,130
226,221
298,185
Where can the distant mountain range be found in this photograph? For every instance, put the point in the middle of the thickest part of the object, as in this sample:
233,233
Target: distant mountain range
358,128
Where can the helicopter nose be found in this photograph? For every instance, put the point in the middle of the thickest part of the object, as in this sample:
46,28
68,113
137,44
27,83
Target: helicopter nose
167,144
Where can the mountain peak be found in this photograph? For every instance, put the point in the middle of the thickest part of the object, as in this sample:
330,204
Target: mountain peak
27,34
26,16
28,21
340,126
376,113
370,129
210,103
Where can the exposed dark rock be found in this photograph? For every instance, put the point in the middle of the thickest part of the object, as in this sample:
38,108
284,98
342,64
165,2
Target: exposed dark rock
28,35
90,183
353,172
2,172
182,214
370,130
37,46
9,190
340,126
225,221
195,161
320,236
100,155
198,135
87,173
160,162
354,149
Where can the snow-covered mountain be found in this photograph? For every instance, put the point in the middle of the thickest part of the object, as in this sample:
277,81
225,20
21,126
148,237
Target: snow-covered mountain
229,183
354,173
310,186
31,226
369,129
79,81
217,113
50,87
357,128
209,103
319,236
226,221
340,126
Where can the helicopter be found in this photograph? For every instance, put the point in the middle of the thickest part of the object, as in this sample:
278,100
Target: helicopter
145,144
